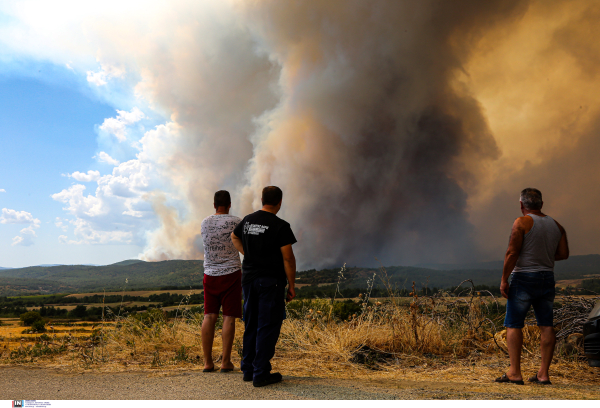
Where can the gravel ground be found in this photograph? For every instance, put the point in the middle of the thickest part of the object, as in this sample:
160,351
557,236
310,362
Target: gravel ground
20,383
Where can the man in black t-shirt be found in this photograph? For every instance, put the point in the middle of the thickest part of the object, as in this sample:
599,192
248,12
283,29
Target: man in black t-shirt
266,242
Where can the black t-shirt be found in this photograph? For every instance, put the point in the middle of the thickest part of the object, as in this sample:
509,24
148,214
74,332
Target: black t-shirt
263,234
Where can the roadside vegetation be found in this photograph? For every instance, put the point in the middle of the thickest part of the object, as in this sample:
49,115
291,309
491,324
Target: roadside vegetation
447,335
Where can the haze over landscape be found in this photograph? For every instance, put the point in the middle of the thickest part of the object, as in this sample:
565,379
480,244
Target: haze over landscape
398,130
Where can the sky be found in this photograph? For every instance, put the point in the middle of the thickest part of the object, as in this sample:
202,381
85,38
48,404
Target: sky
399,131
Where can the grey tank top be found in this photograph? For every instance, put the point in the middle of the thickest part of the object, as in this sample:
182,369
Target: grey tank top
539,246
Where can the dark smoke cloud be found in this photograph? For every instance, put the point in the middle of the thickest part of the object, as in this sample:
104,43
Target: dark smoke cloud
375,146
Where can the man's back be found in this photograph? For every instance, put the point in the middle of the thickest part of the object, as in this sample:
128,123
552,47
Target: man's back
263,234
540,242
220,256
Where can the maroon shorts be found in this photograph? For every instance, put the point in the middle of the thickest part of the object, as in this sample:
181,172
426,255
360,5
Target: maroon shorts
223,290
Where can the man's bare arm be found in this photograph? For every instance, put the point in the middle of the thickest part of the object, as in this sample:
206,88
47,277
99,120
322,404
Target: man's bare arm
562,252
237,243
289,263
512,254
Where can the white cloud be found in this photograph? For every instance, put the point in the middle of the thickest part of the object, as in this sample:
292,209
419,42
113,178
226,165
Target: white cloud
92,175
117,126
106,72
60,224
119,210
2,190
78,205
62,239
18,217
26,237
21,217
104,157
87,234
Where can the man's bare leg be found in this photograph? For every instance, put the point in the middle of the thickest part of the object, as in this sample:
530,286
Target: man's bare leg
547,343
514,340
228,335
208,335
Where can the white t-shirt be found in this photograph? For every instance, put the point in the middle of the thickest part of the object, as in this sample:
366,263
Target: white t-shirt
220,256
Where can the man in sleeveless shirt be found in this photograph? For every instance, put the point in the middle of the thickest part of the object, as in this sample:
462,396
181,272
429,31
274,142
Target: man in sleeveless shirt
269,264
536,241
222,280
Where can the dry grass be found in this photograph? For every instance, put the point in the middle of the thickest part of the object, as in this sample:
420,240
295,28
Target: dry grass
438,338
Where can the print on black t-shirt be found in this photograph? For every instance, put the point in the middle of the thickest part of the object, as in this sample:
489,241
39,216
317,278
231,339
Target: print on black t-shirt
263,234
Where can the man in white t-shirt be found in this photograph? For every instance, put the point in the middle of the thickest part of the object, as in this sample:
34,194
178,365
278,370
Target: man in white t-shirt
222,280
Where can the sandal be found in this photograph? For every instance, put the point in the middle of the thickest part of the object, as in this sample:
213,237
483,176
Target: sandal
226,370
505,379
208,370
535,380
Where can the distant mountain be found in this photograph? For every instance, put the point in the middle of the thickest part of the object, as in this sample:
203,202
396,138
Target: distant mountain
443,275
123,275
4,268
135,274
126,262
453,267
574,266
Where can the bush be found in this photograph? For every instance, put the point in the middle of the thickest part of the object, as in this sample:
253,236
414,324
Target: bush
30,317
39,326
80,311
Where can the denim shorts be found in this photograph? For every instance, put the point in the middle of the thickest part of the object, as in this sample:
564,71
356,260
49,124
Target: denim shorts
528,289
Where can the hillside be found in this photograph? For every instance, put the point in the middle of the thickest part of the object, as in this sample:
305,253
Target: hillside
179,273
443,275
77,278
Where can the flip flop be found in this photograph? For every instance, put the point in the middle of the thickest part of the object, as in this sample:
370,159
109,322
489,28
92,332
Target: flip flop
505,379
208,370
535,380
226,370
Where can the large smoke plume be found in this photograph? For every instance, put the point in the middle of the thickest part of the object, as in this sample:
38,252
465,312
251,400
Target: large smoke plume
365,129
366,115
402,130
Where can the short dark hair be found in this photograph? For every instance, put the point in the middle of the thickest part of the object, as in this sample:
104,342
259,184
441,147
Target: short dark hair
271,195
531,198
222,198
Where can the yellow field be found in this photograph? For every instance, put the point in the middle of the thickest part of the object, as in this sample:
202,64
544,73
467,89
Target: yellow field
113,306
138,293
12,338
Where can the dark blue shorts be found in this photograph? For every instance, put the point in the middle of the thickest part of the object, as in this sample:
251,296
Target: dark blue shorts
528,289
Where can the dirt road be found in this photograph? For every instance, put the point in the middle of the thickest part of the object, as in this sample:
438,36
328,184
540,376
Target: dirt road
19,383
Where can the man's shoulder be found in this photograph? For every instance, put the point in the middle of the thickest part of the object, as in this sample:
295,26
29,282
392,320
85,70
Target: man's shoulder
524,223
233,218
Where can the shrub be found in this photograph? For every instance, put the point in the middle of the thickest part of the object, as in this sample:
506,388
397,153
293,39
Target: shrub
30,317
39,326
80,311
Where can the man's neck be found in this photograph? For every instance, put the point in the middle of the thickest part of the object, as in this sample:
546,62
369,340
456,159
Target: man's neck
270,208
534,212
222,211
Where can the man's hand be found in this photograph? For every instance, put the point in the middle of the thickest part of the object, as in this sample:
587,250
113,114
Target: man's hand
291,294
504,289
289,264
237,243
512,253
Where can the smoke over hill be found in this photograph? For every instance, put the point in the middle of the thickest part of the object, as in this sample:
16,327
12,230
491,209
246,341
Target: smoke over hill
400,130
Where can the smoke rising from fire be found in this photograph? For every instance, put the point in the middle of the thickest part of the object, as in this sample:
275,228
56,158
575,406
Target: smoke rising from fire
384,141
399,130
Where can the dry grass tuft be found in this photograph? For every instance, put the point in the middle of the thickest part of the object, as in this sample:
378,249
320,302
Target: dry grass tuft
437,338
